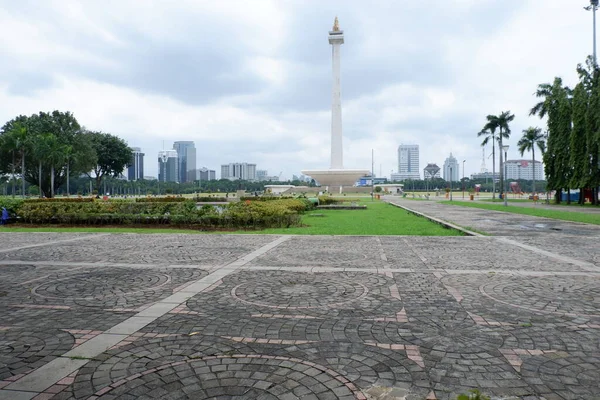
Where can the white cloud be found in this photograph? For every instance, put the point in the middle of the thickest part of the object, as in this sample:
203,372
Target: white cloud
479,62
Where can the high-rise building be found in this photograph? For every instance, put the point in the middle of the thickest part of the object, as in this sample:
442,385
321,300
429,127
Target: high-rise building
186,153
523,169
234,171
451,169
408,162
135,170
168,166
205,174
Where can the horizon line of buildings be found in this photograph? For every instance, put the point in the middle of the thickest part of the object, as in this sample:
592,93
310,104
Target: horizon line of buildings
179,165
409,168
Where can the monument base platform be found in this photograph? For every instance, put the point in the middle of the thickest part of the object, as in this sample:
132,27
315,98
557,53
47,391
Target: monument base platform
337,177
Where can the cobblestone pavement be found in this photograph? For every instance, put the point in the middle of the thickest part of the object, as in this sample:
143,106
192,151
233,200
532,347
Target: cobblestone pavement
100,316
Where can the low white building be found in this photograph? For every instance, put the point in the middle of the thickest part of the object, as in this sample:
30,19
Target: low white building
523,169
278,189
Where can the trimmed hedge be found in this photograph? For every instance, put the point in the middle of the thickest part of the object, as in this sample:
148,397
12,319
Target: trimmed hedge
202,199
327,201
10,204
240,215
61,200
167,199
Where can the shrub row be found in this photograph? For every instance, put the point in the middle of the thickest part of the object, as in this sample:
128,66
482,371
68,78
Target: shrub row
210,199
168,199
241,215
265,198
326,201
61,200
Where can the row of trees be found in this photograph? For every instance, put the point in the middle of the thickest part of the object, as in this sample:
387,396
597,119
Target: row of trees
47,149
573,132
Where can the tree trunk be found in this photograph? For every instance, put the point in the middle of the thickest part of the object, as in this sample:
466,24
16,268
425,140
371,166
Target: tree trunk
52,181
493,168
533,169
13,174
23,173
68,178
558,196
568,196
40,180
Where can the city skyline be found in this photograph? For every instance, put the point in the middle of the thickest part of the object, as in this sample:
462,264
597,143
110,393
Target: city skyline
267,98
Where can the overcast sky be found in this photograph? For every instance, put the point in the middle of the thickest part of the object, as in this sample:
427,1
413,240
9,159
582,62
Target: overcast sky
251,80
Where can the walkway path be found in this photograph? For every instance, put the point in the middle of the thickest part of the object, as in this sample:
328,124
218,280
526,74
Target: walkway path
96,316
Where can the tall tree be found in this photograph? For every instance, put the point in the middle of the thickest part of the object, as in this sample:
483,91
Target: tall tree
593,134
502,123
531,138
113,154
65,128
490,135
579,156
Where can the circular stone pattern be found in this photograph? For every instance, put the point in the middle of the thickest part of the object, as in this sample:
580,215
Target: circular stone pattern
560,374
95,287
234,377
572,296
469,340
22,351
300,292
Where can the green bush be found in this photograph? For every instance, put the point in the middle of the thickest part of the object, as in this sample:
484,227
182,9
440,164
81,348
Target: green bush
168,199
326,201
210,199
240,215
62,200
10,203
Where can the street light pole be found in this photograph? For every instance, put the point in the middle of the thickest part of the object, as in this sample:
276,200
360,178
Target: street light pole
505,195
463,179
593,7
450,183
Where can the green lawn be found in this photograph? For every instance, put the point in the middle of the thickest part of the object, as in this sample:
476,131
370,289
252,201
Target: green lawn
536,212
378,219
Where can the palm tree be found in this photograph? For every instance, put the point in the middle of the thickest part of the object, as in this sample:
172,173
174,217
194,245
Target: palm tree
56,155
532,137
500,122
19,141
490,134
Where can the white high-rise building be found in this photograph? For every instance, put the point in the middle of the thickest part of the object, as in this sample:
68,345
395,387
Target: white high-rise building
235,171
451,169
523,169
408,162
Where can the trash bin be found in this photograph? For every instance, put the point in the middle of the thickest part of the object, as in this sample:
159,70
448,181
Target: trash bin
378,196
471,197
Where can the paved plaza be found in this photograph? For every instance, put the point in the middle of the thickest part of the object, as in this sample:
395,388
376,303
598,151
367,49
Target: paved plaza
165,316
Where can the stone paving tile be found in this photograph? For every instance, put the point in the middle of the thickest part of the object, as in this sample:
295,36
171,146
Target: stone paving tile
338,251
567,245
11,240
437,326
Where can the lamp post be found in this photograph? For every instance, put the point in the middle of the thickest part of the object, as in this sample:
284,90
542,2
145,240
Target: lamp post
593,7
450,183
505,150
463,179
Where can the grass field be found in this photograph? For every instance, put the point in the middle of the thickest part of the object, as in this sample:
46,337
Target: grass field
536,212
378,219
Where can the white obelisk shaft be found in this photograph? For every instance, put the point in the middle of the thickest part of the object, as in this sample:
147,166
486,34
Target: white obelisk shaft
336,39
